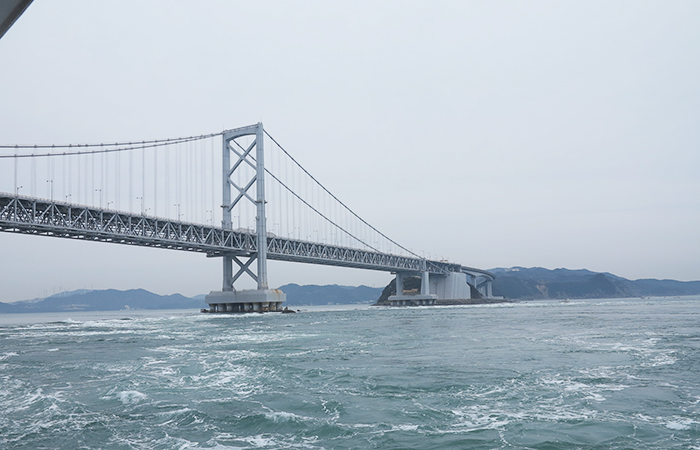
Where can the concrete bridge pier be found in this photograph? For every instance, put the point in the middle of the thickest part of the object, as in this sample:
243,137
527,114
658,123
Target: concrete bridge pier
485,288
451,288
253,300
399,283
418,299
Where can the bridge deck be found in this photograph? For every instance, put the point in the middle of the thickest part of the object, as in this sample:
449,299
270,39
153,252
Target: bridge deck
30,215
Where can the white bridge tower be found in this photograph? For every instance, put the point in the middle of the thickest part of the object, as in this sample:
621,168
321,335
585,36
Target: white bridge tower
263,298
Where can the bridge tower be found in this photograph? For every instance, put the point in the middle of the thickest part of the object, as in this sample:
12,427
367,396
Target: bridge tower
263,298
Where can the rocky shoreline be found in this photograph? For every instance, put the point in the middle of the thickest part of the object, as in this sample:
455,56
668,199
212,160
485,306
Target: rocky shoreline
473,301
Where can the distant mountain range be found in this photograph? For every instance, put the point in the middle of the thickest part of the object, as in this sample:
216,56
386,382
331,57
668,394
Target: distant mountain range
512,283
114,300
538,283
104,300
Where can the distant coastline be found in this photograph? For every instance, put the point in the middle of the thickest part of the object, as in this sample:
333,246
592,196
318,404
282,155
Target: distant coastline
536,283
511,284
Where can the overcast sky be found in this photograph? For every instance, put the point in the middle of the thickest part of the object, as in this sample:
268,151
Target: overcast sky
491,133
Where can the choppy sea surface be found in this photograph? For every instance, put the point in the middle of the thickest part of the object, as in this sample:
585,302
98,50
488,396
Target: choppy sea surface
594,374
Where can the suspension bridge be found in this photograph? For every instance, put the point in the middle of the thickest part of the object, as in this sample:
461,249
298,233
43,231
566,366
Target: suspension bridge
237,195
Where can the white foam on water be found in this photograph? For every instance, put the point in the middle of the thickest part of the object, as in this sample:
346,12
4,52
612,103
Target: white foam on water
9,387
261,337
30,398
218,446
595,397
158,367
86,333
663,359
260,441
404,428
283,416
555,398
239,381
563,414
270,441
150,361
53,350
7,355
479,418
227,377
173,351
589,391
174,412
169,442
679,423
117,368
237,355
612,387
166,372
71,321
490,392
600,372
131,397
646,349
574,386
677,426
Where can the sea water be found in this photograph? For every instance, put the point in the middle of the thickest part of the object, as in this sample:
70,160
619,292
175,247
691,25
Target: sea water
593,374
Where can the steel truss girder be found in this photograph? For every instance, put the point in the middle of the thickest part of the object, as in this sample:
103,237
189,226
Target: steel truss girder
29,215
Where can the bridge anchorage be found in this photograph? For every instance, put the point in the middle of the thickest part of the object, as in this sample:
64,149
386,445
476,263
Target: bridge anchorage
308,223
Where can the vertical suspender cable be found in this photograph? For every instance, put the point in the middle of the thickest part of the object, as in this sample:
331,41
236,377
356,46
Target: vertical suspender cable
92,181
178,180
167,182
155,182
15,163
104,180
33,176
201,206
143,181
213,177
118,186
63,177
78,192
131,182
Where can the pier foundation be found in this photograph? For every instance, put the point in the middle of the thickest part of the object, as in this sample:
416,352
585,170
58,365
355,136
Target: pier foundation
248,301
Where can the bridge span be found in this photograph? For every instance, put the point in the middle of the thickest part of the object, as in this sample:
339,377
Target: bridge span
42,217
243,195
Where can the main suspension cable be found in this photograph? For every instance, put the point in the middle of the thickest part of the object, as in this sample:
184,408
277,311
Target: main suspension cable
340,202
127,146
117,144
307,203
320,213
